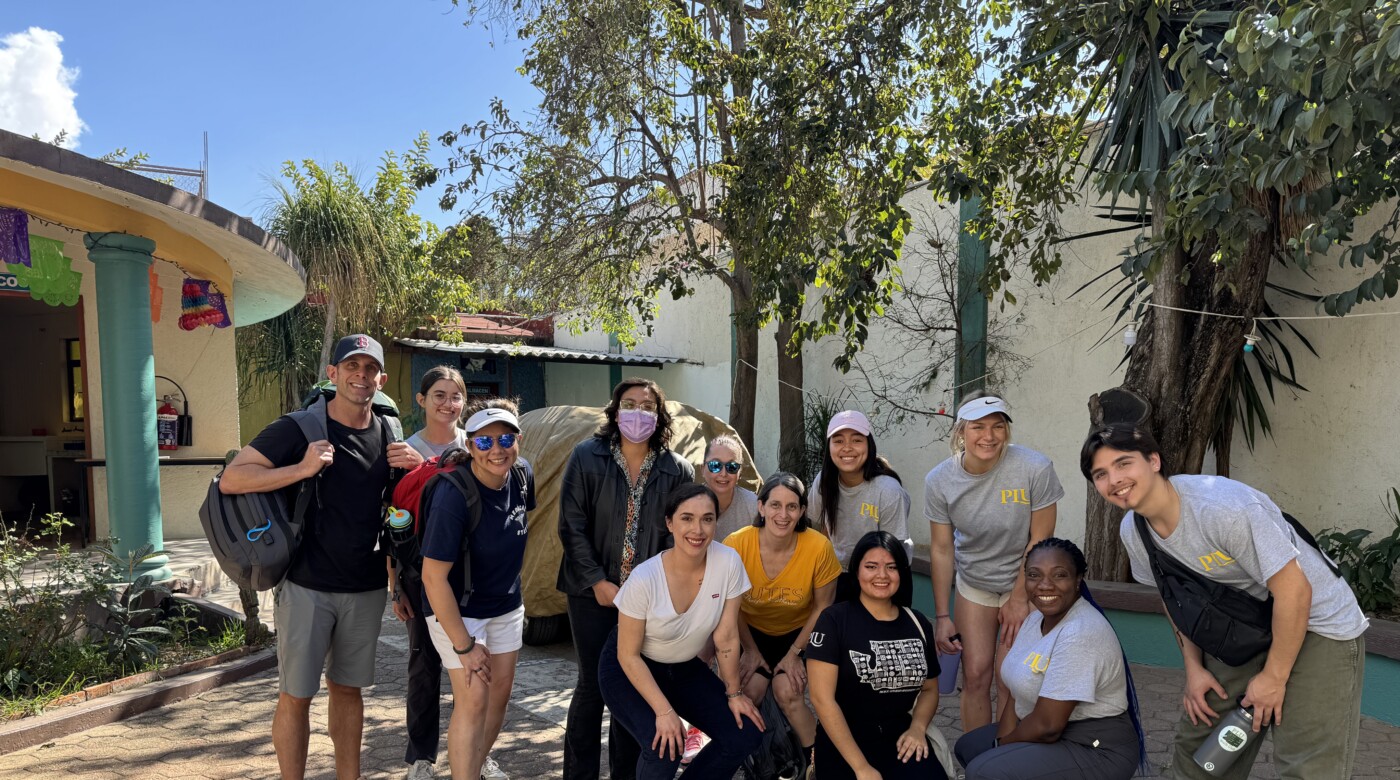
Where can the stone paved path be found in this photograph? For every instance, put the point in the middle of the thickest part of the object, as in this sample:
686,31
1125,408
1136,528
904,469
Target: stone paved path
224,733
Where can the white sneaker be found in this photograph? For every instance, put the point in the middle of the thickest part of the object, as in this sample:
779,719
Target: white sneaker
422,769
492,771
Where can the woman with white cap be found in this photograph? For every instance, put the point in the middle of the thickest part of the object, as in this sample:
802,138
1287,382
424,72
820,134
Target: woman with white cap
987,505
857,491
473,549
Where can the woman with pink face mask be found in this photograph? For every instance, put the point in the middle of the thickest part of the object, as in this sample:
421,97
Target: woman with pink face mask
611,519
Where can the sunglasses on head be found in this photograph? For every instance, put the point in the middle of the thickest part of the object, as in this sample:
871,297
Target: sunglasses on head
483,443
732,466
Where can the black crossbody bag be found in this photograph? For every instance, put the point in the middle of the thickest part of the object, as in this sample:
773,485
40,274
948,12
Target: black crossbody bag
1222,620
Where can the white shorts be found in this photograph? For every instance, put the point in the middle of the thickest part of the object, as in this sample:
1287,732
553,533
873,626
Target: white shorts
503,634
981,597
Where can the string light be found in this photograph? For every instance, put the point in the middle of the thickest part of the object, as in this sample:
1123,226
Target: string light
79,232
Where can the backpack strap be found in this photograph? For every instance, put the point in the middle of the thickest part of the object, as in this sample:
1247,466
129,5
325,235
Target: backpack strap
1306,535
313,425
460,479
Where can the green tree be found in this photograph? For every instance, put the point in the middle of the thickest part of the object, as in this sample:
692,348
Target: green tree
1251,135
372,265
763,144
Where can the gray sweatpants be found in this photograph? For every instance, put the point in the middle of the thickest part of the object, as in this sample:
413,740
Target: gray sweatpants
1321,720
1093,749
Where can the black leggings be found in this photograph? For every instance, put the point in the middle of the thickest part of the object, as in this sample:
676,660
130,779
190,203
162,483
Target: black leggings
878,741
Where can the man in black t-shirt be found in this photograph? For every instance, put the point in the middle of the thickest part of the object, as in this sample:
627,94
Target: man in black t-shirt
330,606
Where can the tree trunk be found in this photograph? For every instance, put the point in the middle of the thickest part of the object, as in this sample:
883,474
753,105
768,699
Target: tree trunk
253,629
791,432
328,334
743,396
1183,364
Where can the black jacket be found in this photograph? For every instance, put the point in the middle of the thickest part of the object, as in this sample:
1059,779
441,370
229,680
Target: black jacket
593,514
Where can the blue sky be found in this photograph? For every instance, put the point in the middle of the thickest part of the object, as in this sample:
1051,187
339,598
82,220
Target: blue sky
270,81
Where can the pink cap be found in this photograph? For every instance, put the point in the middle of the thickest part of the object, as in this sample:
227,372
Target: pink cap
849,420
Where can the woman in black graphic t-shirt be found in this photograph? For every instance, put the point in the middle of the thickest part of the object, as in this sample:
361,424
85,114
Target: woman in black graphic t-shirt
869,658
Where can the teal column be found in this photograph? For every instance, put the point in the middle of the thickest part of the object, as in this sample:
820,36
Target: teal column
971,369
128,366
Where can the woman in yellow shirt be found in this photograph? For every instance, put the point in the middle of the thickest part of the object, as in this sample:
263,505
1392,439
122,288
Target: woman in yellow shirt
793,574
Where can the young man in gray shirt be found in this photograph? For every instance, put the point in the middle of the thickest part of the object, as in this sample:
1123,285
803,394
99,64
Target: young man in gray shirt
1307,685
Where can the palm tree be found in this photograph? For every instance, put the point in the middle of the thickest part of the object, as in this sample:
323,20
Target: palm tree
1189,369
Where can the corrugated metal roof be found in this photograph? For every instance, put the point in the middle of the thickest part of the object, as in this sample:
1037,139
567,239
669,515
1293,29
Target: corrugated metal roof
558,354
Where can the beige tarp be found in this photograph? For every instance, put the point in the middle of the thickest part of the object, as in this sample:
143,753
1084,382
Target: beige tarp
549,435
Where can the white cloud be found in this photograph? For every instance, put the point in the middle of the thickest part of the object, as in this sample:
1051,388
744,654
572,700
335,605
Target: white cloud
36,91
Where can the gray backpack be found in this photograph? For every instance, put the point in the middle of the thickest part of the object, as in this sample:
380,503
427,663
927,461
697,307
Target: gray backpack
254,536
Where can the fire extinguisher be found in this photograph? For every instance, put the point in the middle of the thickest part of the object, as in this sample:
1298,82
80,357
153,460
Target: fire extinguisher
167,425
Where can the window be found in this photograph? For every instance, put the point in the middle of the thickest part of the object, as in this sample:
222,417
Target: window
73,378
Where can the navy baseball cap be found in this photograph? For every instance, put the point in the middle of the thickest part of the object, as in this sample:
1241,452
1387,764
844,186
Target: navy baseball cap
357,344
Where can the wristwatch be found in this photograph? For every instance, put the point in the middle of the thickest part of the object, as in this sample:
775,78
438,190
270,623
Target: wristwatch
464,650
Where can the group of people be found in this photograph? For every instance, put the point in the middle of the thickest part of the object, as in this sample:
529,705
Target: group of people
691,601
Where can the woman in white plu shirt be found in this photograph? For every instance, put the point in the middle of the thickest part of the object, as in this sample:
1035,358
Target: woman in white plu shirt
1073,710
986,505
856,492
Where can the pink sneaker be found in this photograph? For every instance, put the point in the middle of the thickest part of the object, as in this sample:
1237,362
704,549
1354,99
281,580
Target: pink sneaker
694,741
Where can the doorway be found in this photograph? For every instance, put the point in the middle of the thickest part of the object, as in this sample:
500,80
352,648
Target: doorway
43,415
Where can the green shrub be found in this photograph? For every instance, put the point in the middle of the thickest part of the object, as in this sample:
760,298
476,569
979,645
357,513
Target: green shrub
45,588
1369,566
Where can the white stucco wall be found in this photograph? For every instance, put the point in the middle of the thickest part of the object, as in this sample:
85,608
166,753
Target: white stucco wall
202,362
1330,460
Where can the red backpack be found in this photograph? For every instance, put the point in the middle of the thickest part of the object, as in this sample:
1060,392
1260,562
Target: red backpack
413,494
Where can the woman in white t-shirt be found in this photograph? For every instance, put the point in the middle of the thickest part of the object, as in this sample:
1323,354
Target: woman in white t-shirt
1073,711
649,671
986,505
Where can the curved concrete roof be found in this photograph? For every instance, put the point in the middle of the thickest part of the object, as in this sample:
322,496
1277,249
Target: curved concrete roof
263,275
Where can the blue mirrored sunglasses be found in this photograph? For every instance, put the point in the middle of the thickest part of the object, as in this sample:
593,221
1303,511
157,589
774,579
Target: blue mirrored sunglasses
484,443
732,466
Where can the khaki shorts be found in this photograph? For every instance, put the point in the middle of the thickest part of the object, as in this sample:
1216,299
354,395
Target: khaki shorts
981,597
501,634
318,630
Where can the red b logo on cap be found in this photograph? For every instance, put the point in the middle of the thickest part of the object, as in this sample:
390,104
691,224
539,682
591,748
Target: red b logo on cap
362,342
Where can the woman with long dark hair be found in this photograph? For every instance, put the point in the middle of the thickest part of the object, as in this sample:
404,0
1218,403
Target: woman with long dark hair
793,575
649,669
610,521
986,506
873,674
1074,711
856,491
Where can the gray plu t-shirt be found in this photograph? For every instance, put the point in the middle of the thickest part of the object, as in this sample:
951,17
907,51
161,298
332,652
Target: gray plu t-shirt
879,504
740,514
1078,660
427,450
1231,533
991,513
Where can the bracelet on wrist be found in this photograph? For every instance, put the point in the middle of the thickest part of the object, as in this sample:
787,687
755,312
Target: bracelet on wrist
667,712
733,695
940,617
464,650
